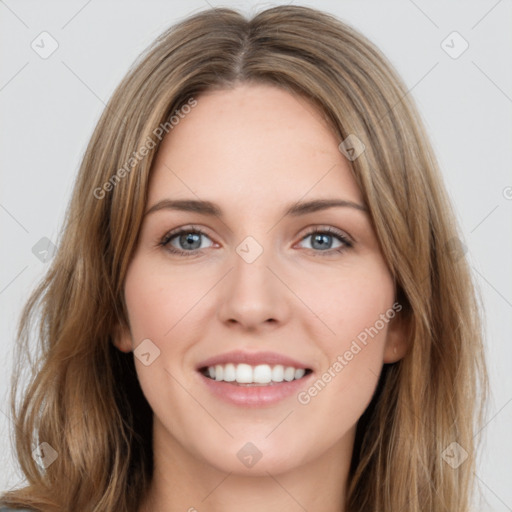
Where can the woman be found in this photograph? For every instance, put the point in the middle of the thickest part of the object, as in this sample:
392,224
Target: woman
318,347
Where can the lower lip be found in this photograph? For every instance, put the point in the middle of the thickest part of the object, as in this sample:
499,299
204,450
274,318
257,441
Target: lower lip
255,396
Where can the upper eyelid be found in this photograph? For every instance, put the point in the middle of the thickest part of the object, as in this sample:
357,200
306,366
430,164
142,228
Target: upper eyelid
188,228
330,230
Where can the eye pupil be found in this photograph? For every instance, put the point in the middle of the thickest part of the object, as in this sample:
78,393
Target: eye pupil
321,239
190,238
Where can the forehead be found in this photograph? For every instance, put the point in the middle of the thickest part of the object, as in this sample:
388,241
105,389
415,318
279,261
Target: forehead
252,143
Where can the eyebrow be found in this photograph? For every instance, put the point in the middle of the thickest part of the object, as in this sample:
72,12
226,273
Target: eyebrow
294,209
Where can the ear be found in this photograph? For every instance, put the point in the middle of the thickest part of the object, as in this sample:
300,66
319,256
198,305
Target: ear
122,338
398,337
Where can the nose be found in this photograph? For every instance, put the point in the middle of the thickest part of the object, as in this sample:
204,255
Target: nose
253,294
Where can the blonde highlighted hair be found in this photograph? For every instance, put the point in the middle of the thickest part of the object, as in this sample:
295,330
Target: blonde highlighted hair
82,396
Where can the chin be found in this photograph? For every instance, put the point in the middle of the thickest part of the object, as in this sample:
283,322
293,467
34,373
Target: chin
258,457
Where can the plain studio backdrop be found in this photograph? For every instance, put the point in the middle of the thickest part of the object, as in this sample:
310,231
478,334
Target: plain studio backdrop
60,62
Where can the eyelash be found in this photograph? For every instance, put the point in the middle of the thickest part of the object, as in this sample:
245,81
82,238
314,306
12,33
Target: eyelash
164,242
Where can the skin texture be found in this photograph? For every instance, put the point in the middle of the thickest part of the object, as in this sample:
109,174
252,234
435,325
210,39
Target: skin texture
253,150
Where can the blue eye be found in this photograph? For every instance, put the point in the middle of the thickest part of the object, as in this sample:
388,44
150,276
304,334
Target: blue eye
322,239
187,242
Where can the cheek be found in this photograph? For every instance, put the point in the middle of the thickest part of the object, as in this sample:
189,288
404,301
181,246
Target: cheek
154,309
162,303
349,304
159,298
344,387
357,309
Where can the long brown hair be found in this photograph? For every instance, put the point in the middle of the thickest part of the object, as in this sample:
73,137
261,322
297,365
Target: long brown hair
83,398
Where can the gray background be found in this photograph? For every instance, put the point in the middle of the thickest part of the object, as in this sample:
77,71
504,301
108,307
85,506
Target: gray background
49,108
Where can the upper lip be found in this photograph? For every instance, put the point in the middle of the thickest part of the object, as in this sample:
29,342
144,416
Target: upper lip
252,358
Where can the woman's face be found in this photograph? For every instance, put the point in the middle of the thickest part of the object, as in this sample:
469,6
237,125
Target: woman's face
254,292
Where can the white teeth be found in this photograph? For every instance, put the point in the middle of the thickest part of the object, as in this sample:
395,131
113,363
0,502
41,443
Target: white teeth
299,373
278,373
289,373
243,374
229,372
260,374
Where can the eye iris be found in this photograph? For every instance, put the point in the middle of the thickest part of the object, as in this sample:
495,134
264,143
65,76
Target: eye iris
321,239
190,238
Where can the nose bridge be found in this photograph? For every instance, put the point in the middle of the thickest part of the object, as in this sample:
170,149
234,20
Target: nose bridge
251,276
253,294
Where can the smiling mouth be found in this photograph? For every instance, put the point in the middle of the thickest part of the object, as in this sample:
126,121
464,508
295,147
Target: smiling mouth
252,376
